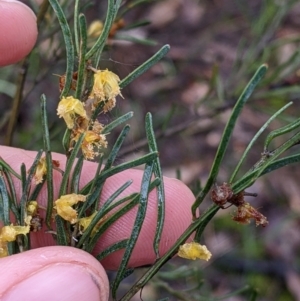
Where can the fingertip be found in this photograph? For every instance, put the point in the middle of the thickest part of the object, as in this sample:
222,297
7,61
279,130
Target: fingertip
18,31
53,273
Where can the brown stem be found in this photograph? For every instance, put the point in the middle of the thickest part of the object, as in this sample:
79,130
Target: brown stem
16,103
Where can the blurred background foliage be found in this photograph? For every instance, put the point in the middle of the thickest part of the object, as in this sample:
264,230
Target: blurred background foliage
216,46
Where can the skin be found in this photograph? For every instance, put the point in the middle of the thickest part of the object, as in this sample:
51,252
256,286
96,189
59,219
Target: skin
51,272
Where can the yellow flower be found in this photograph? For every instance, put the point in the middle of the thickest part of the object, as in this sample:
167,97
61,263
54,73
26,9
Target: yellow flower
3,248
41,171
194,250
106,88
9,233
68,108
85,222
95,29
64,205
32,208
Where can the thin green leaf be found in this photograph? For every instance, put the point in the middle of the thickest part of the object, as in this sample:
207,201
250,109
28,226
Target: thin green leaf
109,221
160,192
281,163
76,27
110,160
108,128
36,191
76,175
110,15
143,201
82,52
283,130
113,248
121,167
8,168
145,66
96,112
105,208
115,150
13,196
168,117
97,173
23,176
26,185
68,43
93,194
66,140
227,134
61,237
137,24
250,177
49,163
69,165
204,222
124,37
254,139
4,201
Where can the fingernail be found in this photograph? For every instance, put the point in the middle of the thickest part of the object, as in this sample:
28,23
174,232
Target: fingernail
57,282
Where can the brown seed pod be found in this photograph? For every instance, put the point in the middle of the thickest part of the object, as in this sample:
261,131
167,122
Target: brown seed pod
62,81
220,195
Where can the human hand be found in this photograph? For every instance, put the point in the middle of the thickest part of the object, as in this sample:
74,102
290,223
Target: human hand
63,273
50,267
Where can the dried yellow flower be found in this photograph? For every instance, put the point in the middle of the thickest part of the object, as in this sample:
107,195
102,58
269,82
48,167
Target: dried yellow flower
41,171
95,29
9,233
97,127
109,104
194,250
32,208
64,205
106,88
85,222
68,108
3,248
245,212
93,141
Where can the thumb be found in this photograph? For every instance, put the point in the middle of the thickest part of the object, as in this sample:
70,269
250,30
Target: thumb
53,273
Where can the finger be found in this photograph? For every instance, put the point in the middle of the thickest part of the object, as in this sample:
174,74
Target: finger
53,273
177,217
18,31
